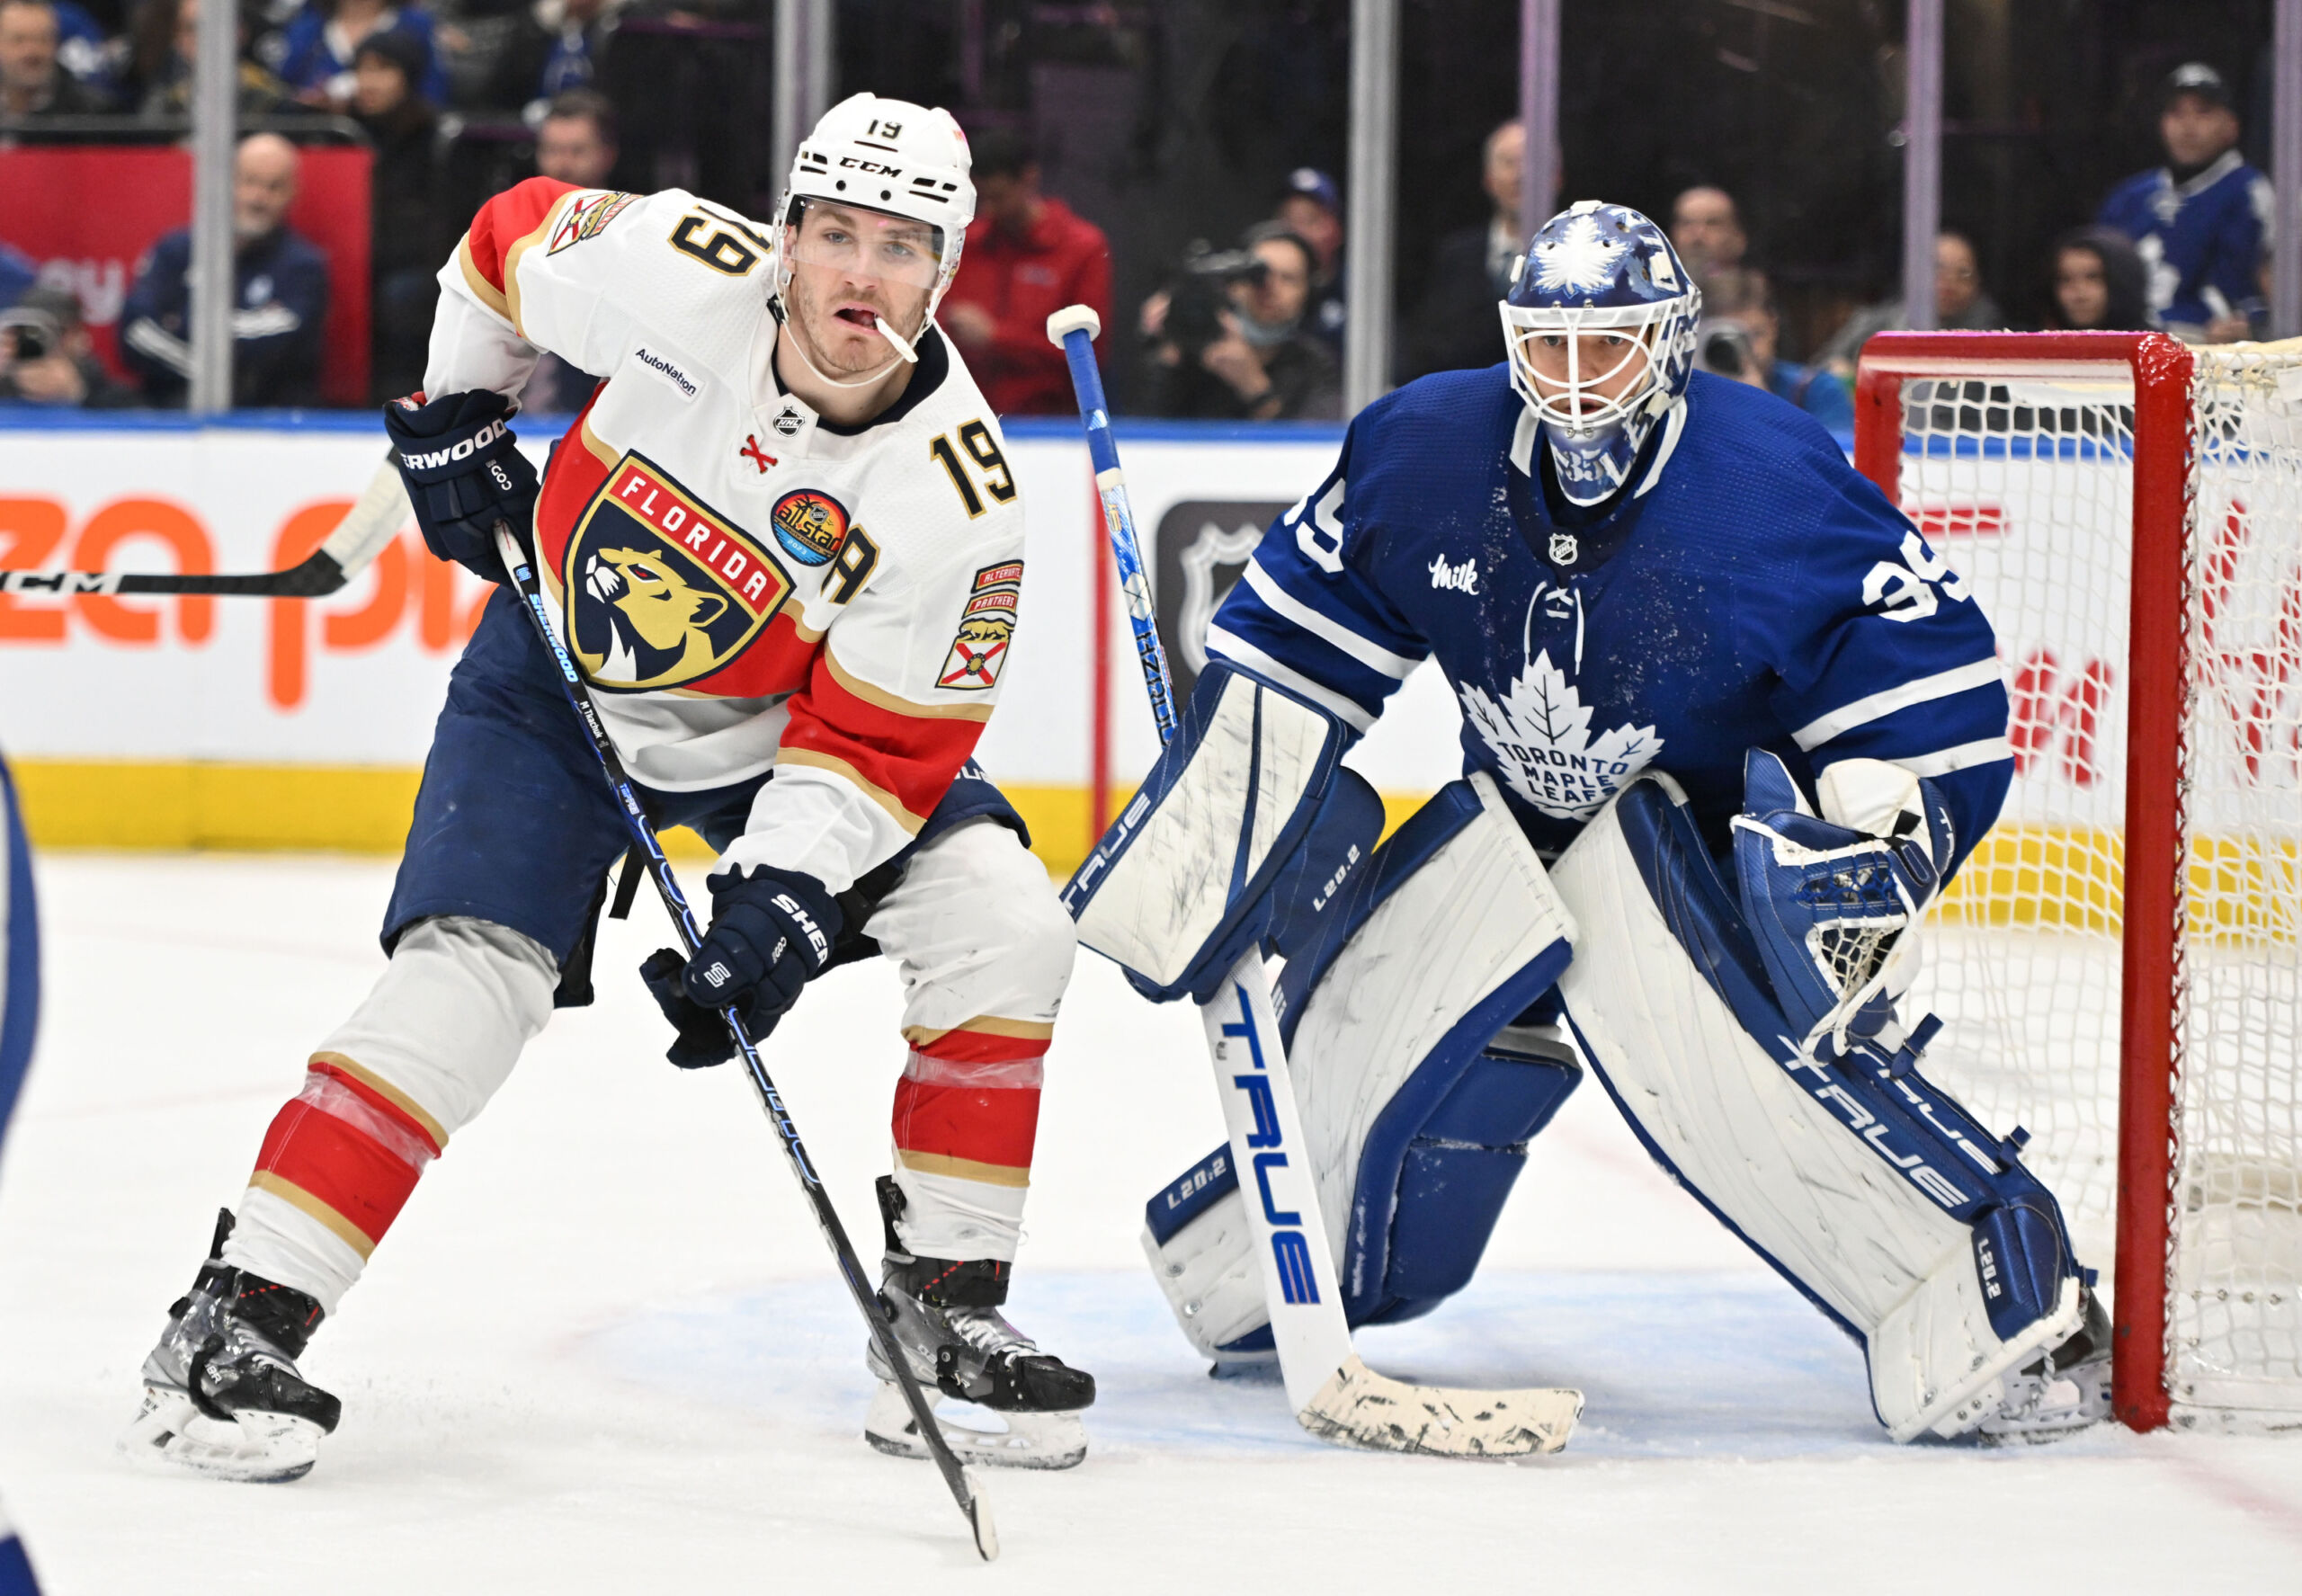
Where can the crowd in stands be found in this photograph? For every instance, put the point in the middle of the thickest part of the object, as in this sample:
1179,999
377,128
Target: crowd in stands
1252,333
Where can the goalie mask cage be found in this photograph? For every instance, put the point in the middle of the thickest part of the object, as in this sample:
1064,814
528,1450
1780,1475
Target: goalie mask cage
2119,965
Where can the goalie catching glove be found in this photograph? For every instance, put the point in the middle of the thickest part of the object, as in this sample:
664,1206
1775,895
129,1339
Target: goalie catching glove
772,933
1834,903
464,473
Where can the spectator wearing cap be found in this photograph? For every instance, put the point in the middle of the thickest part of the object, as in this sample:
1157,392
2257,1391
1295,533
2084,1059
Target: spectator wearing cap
1261,364
1740,299
1456,323
2099,283
2202,220
47,358
280,294
1027,255
1962,305
557,48
33,84
316,48
576,142
1310,207
1706,230
407,233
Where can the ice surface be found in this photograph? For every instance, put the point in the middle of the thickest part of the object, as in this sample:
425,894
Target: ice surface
603,1351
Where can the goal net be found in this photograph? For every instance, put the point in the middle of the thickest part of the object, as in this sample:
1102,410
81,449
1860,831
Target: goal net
2119,966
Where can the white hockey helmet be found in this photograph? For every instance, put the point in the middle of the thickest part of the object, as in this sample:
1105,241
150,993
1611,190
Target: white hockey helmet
892,156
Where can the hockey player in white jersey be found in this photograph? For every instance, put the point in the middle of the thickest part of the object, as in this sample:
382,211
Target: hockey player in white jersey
785,545
1727,715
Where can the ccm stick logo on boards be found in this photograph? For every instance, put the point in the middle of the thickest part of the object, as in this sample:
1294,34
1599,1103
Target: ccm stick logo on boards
406,588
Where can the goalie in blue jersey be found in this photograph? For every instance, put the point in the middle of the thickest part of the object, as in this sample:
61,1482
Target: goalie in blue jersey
1726,708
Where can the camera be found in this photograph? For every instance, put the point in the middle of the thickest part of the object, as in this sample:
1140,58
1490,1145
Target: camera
31,334
1724,348
1201,291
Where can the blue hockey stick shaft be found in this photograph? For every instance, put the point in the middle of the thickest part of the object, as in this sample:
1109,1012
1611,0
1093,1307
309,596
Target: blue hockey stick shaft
965,1488
1077,338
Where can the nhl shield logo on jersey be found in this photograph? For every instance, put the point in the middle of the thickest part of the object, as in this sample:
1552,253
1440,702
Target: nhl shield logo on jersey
986,625
810,525
661,590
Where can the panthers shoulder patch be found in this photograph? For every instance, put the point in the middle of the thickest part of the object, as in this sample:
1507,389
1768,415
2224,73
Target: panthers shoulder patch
986,625
586,215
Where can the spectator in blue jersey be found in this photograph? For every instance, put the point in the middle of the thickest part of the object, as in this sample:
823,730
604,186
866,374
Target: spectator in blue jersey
2202,221
19,1017
2099,283
280,297
1740,338
319,46
556,49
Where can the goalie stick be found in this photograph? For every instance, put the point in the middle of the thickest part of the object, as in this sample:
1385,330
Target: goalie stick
967,1490
1334,1395
374,519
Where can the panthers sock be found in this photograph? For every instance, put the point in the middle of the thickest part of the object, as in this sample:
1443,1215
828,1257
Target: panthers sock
966,1115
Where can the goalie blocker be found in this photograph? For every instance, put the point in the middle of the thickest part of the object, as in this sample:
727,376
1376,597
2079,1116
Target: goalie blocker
1755,1033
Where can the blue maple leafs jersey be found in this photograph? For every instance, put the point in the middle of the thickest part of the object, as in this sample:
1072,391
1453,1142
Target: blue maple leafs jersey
1753,592
2203,240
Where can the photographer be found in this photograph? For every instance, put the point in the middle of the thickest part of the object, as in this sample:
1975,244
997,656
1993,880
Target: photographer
47,358
1227,340
1738,338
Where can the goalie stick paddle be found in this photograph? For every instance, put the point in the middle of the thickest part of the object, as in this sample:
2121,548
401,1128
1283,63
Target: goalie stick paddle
1334,1395
374,519
966,1488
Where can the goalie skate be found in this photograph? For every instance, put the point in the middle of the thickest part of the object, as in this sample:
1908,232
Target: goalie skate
222,1395
2060,1393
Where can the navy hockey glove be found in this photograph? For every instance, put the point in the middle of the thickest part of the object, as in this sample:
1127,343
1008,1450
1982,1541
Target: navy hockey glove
772,933
464,472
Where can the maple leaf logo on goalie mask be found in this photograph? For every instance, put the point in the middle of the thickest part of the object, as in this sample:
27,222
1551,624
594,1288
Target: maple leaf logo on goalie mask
1580,260
1540,736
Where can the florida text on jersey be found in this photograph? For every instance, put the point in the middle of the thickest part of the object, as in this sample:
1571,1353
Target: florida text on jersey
749,584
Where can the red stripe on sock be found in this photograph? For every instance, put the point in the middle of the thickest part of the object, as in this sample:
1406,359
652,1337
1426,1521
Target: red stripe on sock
339,1165
981,1046
984,1123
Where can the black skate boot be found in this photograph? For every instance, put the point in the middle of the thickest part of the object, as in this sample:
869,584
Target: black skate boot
221,1392
2062,1392
945,1315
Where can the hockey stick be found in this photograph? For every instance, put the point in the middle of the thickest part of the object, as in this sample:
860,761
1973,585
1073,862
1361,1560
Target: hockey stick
966,1488
372,521
1334,1395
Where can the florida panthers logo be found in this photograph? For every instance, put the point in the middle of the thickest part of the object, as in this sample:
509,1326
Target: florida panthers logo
662,591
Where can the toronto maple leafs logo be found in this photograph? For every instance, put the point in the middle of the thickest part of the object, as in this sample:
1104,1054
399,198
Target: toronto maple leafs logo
1580,260
1540,736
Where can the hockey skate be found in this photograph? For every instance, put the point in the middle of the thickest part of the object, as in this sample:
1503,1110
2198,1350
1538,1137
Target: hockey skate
946,1318
2060,1393
222,1395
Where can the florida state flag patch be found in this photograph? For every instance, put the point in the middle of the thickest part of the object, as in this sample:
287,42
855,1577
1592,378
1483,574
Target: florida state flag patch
986,625
662,590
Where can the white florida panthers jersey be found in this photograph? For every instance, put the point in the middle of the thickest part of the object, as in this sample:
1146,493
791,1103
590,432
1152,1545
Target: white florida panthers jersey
745,583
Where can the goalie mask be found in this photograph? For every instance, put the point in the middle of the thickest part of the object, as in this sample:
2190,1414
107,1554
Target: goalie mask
1600,324
893,161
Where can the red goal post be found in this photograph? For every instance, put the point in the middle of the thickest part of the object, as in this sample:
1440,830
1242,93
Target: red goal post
2127,511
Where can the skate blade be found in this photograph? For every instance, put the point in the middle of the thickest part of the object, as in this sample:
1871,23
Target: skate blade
1030,1440
254,1448
2061,1409
1360,1408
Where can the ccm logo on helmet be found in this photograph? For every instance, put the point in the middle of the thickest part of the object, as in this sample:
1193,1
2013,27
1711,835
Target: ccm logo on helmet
433,459
857,164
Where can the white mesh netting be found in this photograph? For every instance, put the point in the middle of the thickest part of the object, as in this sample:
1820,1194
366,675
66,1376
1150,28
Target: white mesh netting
2025,486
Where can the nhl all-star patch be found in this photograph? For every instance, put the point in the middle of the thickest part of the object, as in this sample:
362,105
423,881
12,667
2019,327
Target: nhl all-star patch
586,215
660,589
986,625
809,524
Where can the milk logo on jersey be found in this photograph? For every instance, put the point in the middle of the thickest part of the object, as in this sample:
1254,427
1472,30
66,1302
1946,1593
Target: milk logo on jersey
809,524
1541,737
584,218
1457,578
986,624
660,589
